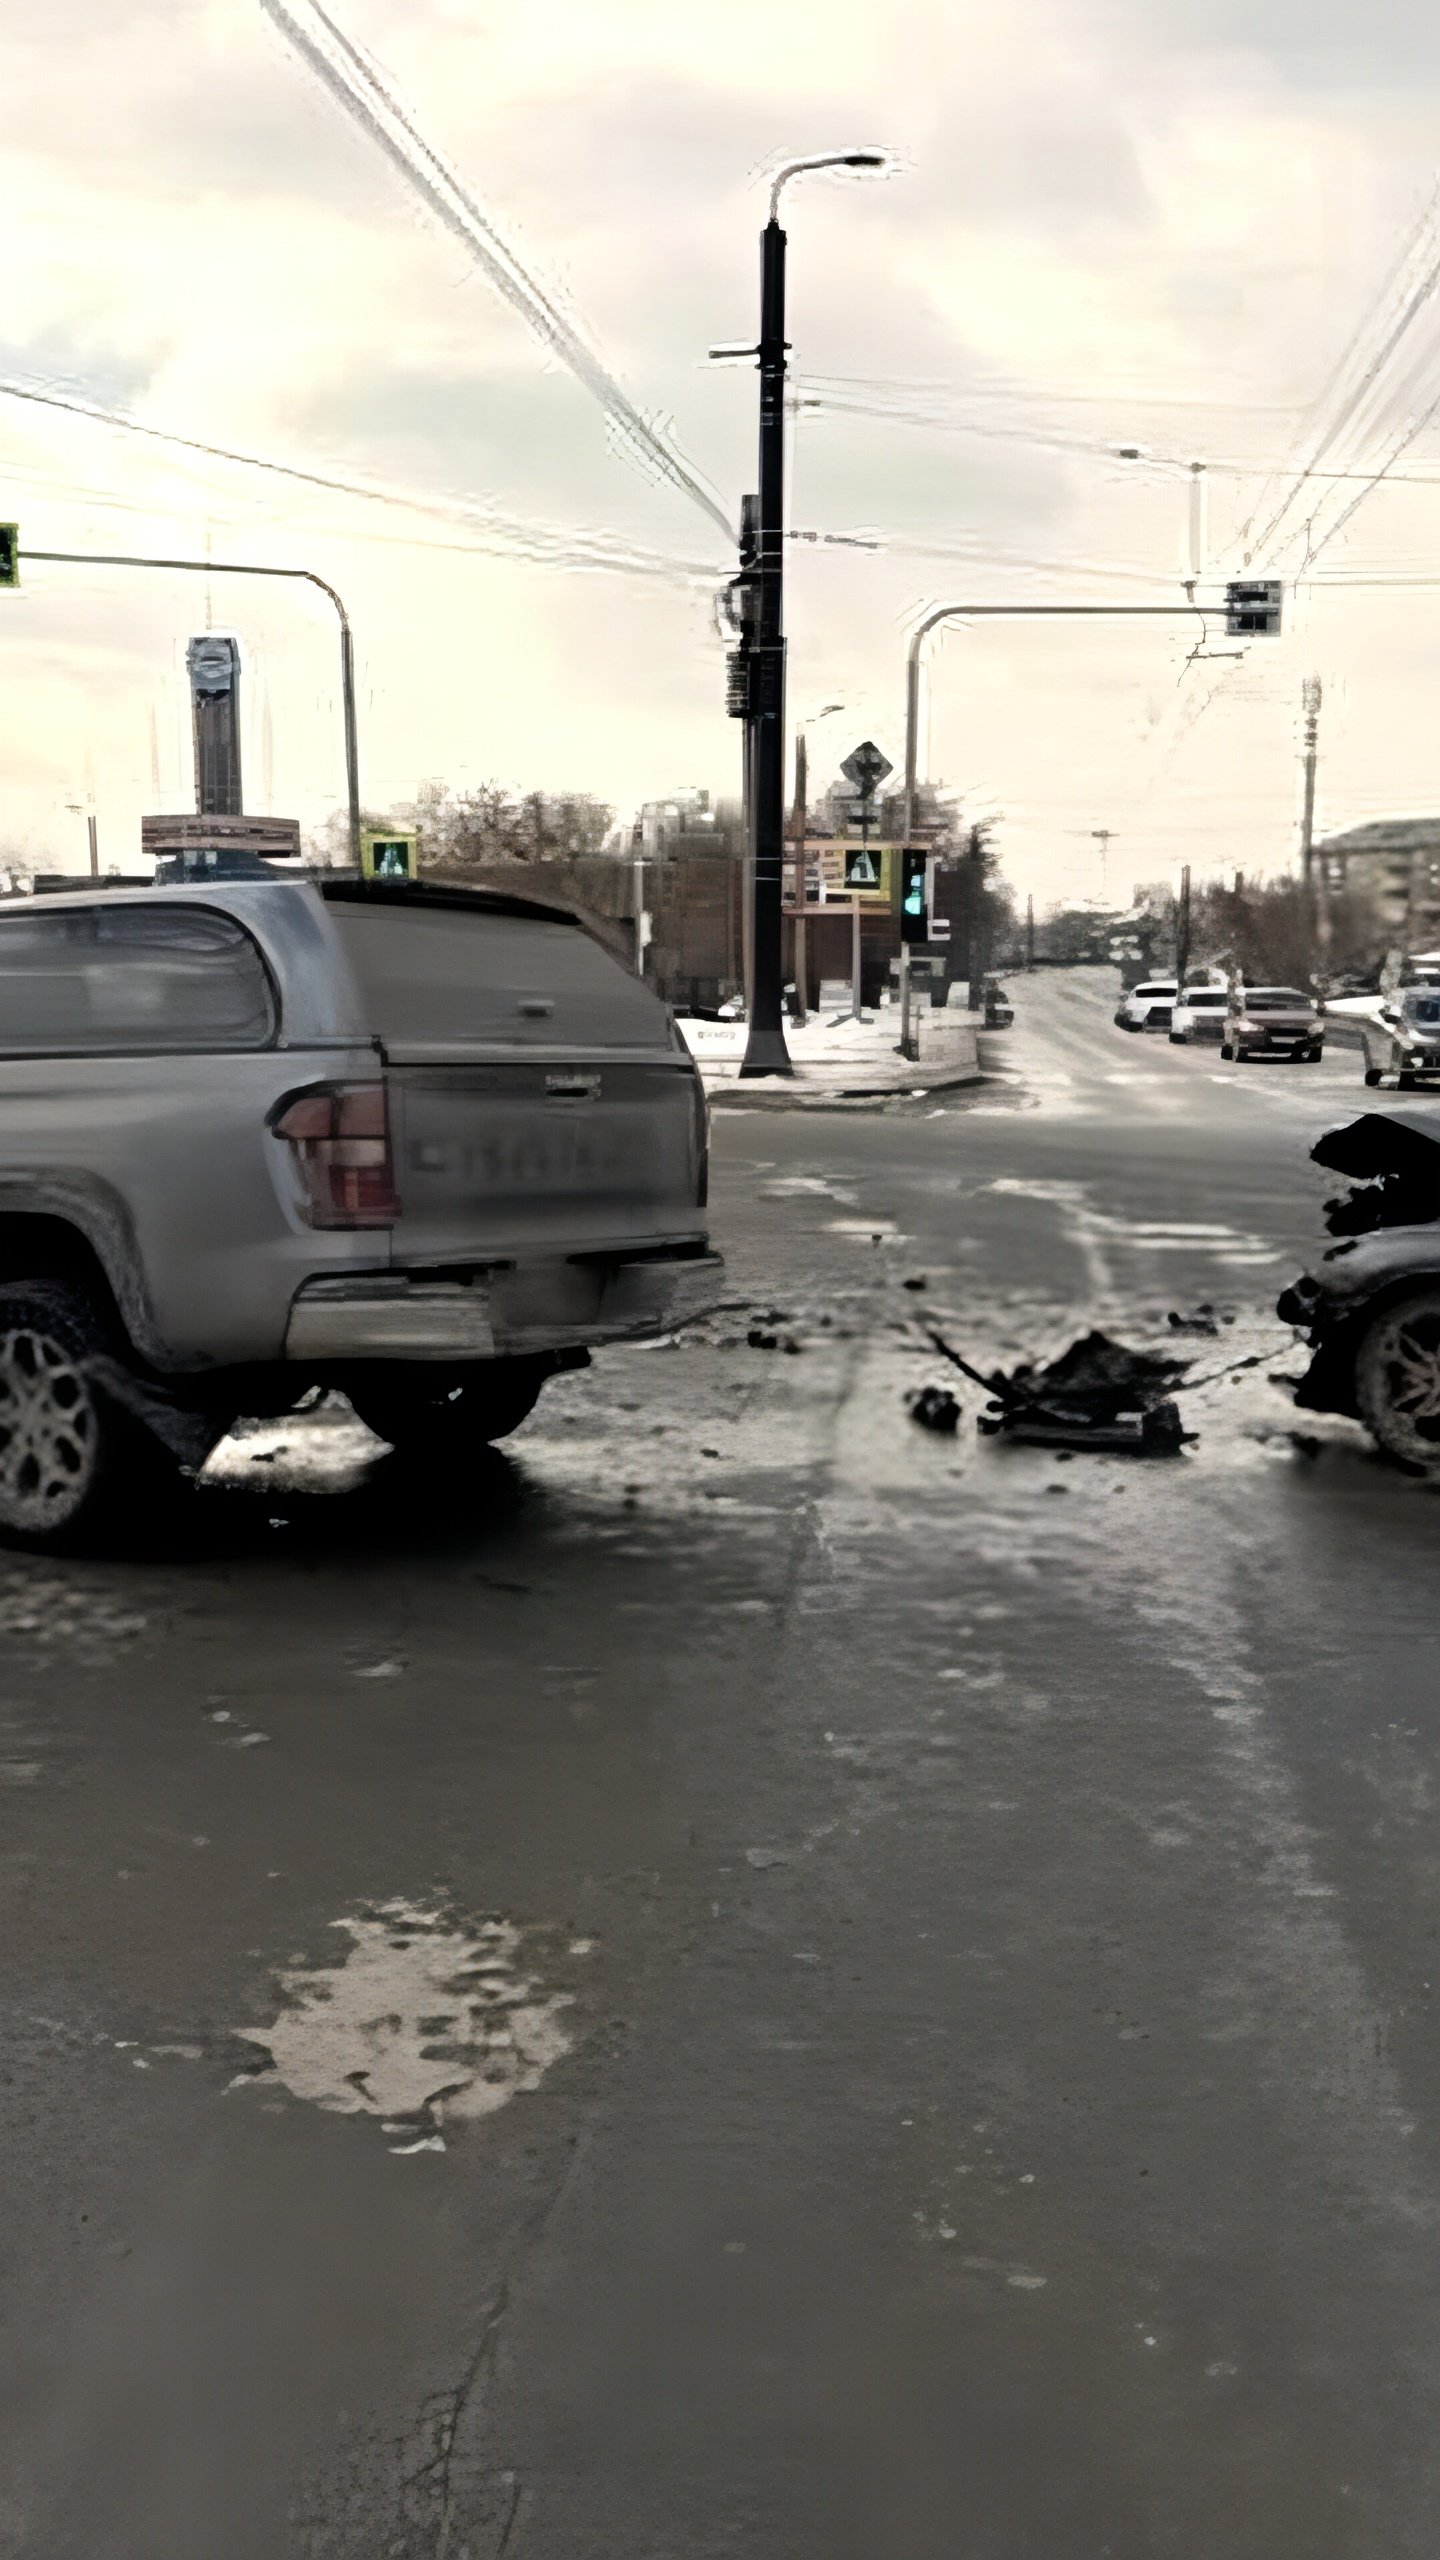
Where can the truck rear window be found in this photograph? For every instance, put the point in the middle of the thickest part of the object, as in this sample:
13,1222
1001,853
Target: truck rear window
152,979
436,976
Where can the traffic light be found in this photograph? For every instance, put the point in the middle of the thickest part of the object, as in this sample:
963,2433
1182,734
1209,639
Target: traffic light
9,555
1254,608
913,925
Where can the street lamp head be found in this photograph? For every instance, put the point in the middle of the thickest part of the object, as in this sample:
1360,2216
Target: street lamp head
823,160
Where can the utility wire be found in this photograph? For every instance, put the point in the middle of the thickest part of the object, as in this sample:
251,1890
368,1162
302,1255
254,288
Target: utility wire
356,85
509,534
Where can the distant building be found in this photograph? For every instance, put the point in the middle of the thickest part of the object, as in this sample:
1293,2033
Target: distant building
1394,864
687,823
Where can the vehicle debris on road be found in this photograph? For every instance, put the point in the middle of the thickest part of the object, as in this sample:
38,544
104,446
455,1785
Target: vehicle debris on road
1096,1395
935,1409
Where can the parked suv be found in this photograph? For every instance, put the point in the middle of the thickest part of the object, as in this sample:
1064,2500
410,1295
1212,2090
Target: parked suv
1148,1007
1273,1022
422,1144
1199,1015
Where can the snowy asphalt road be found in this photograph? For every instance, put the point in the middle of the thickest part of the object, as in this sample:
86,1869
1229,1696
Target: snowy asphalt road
758,1979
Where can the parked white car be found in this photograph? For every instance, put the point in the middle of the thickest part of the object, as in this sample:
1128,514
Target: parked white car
1148,1006
1199,1015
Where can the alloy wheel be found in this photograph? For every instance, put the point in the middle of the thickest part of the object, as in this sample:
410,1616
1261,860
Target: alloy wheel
1398,1380
49,1432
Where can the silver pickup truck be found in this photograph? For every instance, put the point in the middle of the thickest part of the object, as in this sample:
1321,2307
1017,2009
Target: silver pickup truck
426,1145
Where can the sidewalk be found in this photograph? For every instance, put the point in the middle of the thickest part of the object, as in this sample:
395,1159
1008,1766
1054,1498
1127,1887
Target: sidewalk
840,1060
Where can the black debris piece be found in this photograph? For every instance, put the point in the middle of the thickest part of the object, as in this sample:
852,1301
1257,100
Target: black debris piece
1204,1320
935,1409
1094,1381
760,1340
919,1282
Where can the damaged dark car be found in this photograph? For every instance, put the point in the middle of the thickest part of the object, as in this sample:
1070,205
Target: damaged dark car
1372,1312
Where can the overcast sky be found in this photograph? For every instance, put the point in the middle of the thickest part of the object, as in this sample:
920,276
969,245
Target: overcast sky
1111,222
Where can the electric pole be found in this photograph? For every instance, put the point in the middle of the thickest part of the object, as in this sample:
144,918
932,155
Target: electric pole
1029,934
1312,873
1182,927
1102,836
765,1050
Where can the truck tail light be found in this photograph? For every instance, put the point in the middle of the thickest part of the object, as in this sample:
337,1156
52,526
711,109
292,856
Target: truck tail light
340,1135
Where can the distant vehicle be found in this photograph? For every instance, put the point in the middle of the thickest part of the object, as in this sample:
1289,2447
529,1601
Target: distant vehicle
1148,1007
424,1145
1273,1022
1372,1312
1402,1038
1199,1015
999,1011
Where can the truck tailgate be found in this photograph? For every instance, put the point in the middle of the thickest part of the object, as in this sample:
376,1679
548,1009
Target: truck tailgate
499,1158
541,1101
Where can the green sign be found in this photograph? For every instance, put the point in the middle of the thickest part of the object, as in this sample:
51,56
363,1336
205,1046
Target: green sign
9,555
388,853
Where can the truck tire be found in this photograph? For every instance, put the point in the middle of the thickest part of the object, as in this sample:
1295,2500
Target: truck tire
1226,1051
63,1442
1372,1075
427,1420
1397,1379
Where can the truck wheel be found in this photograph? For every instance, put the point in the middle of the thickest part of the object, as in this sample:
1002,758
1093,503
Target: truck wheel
1397,1379
441,1421
1372,1075
60,1439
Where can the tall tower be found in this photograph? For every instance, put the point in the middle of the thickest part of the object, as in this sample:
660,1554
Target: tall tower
213,662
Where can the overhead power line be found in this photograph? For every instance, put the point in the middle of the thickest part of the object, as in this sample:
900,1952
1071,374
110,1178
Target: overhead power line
357,85
502,534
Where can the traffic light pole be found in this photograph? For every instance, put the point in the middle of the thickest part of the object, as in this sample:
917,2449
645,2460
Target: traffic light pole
1012,612
254,569
765,1051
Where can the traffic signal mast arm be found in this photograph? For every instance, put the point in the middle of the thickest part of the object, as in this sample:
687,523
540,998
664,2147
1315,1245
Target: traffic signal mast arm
1269,624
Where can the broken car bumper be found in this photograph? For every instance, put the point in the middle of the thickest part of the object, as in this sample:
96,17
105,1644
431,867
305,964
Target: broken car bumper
519,1308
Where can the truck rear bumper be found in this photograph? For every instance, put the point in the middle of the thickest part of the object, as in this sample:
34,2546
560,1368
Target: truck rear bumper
543,1306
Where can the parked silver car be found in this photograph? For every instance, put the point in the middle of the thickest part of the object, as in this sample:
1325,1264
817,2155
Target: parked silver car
424,1145
1402,1039
1273,1022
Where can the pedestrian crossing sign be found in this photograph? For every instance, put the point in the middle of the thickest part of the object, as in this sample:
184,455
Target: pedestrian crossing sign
387,853
867,871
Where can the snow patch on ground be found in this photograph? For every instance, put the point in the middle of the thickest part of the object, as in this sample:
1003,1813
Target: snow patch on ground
422,2022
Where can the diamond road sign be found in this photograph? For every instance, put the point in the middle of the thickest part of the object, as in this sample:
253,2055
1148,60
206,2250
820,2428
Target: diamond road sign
866,768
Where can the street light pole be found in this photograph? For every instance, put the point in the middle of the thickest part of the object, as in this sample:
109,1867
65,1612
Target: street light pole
765,1051
254,569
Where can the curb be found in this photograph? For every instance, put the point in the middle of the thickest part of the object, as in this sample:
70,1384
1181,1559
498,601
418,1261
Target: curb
735,1095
